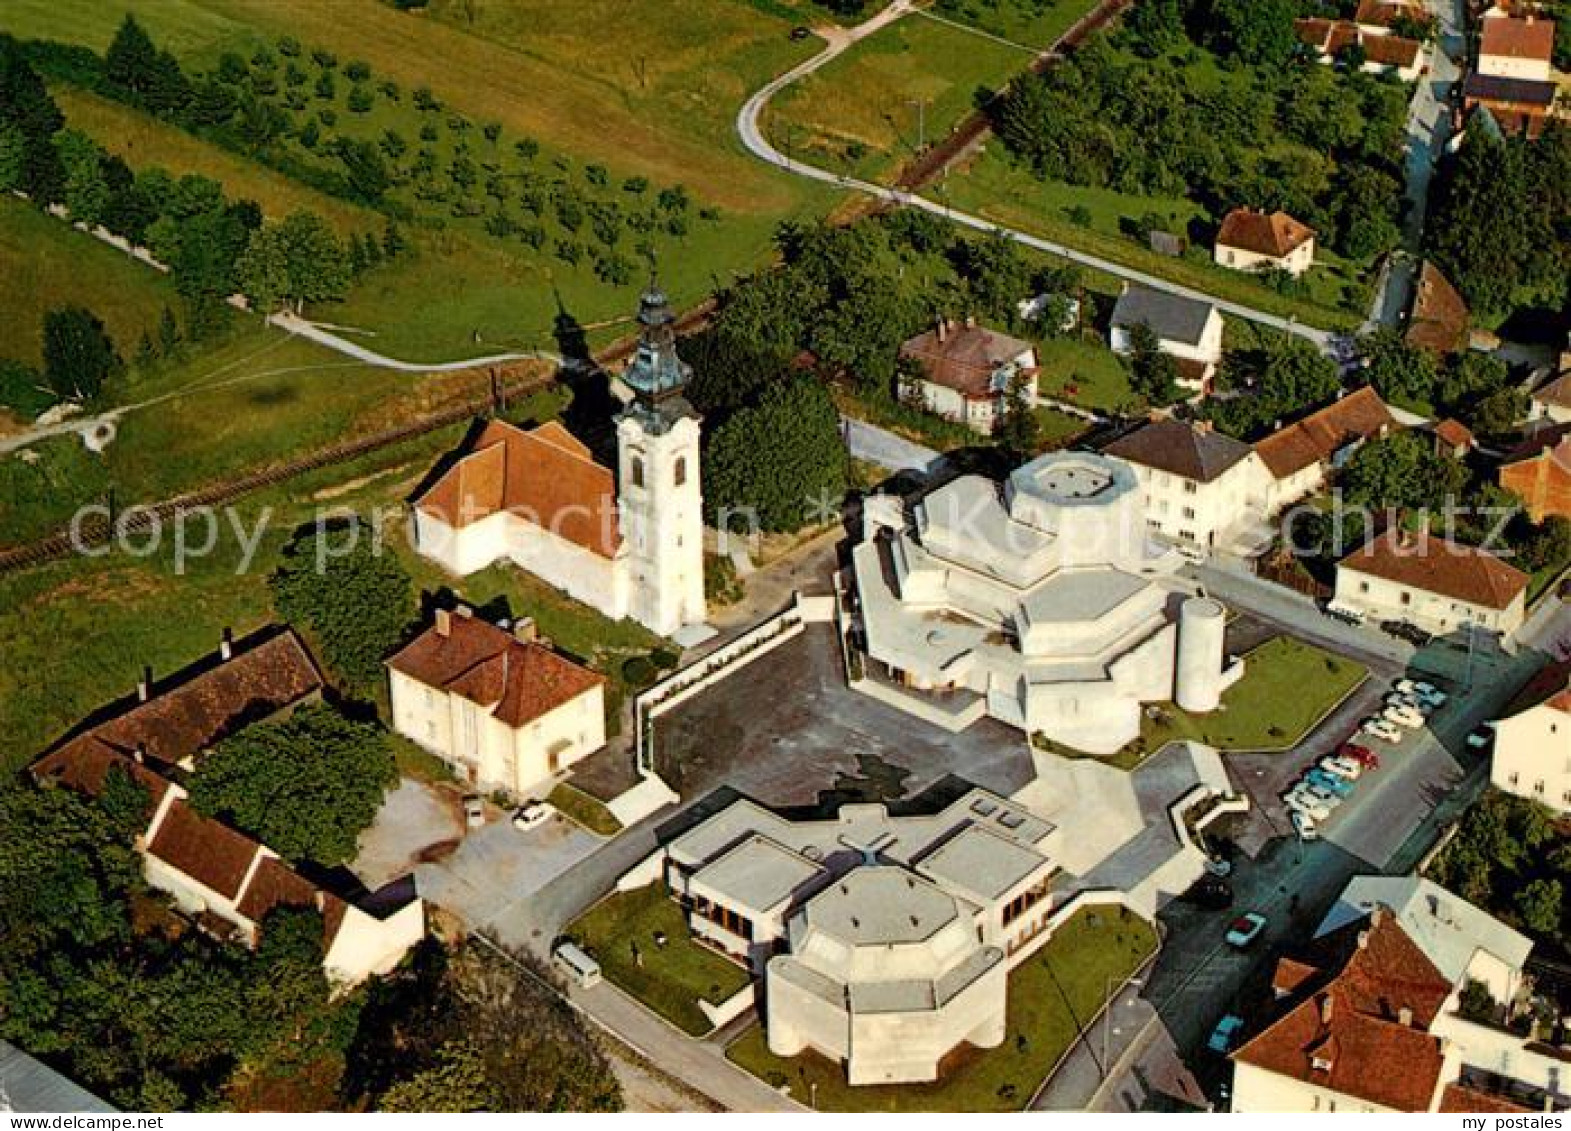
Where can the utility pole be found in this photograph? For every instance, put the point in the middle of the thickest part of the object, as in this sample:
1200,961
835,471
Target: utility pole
921,121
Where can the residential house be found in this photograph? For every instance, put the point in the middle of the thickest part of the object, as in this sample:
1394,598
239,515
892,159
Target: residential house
1552,400
1259,241
1333,40
883,942
1532,751
1380,17
223,879
1302,456
1514,78
1439,585
1201,489
1186,329
501,708
628,544
1453,439
967,372
1539,473
1438,320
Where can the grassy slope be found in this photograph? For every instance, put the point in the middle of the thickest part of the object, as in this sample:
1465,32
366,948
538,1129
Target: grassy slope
1052,996
144,141
47,264
864,95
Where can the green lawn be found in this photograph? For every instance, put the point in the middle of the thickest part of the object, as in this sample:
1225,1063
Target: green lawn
1287,687
585,810
48,264
855,114
992,186
1036,23
1082,372
620,931
1053,997
1058,429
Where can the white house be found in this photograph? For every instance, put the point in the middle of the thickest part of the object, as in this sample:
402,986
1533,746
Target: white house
883,941
1532,754
223,879
1383,52
1201,490
1438,585
1517,47
968,372
501,708
1185,328
1301,456
1039,602
630,545
1258,241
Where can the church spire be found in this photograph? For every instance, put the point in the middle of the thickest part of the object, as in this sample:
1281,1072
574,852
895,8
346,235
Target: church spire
656,372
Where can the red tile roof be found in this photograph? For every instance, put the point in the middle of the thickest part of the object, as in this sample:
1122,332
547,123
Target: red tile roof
211,853
1438,565
1332,37
1384,13
1459,1099
544,476
1439,317
1277,234
963,358
1550,687
519,681
1391,50
1454,434
1360,415
1556,392
1360,1027
1518,38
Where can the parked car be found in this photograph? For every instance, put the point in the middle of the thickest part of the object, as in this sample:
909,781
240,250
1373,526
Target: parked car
1364,756
1403,716
1301,801
1325,796
532,815
1212,892
1304,825
1481,737
1416,686
1342,767
1225,1035
1245,929
800,32
1409,703
583,970
1382,728
474,811
1219,867
1332,783
1344,614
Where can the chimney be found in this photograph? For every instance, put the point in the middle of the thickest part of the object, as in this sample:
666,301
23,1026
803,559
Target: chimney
524,629
970,322
140,753
144,686
444,623
943,329
463,611
226,645
1363,940
1203,426
1325,1009
1404,1017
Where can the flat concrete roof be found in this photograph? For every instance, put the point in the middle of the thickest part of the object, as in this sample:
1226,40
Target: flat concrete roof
1075,595
882,905
980,862
758,874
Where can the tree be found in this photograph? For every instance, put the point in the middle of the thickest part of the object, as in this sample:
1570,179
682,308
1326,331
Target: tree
13,156
131,59
1539,905
1254,31
1152,373
1018,431
457,1083
298,259
1401,471
351,593
1155,26
78,353
306,786
27,108
86,188
1397,370
781,459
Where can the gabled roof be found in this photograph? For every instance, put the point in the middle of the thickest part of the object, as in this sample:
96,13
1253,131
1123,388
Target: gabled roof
1556,392
544,476
1360,1027
1454,434
1551,687
1515,37
963,357
1384,13
1360,415
1499,88
1459,1099
1277,234
1439,317
1437,565
518,681
29,1085
1181,448
1171,317
1391,50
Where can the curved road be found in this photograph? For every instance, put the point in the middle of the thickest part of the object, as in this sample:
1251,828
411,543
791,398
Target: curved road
838,41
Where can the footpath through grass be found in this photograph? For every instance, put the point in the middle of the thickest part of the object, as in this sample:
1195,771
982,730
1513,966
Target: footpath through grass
1053,997
623,933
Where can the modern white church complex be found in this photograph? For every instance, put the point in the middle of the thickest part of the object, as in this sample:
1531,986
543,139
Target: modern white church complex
629,544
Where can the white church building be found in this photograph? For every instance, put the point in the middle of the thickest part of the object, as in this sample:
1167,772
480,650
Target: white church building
629,544
1043,598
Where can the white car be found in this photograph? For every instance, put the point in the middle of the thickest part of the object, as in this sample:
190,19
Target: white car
1301,802
1403,716
1409,703
532,815
1322,802
1382,728
1304,825
1342,767
1419,688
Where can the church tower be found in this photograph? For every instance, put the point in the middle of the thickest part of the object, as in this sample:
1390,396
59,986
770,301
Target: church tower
659,501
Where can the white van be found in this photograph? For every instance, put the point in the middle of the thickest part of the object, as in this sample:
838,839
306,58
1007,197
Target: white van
578,966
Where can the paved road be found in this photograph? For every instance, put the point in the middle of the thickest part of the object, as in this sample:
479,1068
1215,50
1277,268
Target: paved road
838,41
872,444
323,335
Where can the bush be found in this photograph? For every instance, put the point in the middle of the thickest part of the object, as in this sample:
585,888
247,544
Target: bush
22,389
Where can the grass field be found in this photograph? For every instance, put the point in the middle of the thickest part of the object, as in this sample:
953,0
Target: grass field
144,141
49,264
857,113
669,978
587,811
1053,996
1036,23
1085,373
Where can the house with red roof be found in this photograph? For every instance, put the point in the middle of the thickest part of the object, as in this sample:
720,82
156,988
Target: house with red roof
225,881
1337,41
629,543
1264,241
1514,77
1431,582
1532,755
1301,456
1538,472
967,373
500,707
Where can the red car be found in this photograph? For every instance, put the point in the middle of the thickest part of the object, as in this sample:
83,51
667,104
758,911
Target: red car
1364,756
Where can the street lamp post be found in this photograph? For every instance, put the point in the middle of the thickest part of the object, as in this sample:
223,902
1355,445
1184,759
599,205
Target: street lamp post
1107,1018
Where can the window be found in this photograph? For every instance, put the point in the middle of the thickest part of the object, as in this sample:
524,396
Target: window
680,475
1363,587
1407,598
1189,512
638,471
1513,778
1538,787
1190,487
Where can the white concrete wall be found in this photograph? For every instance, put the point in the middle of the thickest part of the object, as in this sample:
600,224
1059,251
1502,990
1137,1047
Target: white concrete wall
1532,756
1434,612
366,945
1507,67
1295,263
662,523
1257,1091
1193,513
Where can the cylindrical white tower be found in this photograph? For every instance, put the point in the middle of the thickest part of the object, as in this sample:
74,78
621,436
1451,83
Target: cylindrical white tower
1197,681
